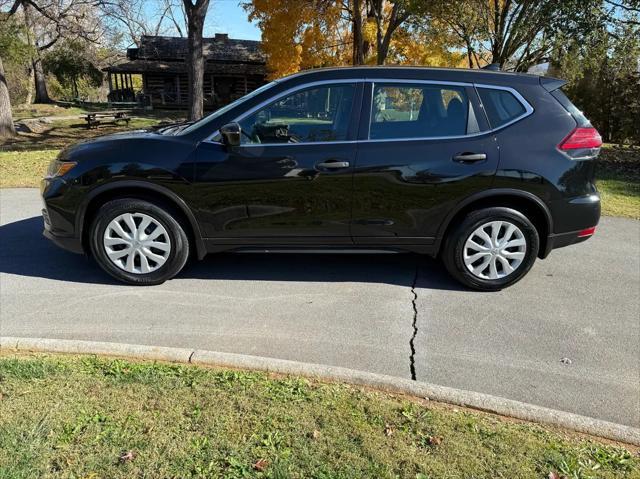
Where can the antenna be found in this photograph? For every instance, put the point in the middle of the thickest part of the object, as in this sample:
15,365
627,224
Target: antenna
494,67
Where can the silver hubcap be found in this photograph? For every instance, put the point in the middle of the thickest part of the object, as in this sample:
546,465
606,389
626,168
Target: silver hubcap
494,250
137,243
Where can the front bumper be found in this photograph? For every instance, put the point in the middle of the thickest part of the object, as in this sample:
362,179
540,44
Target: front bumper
59,219
65,242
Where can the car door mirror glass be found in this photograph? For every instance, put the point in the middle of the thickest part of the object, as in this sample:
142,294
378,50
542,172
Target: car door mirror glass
231,133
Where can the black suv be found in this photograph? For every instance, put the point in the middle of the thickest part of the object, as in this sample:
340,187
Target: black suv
487,170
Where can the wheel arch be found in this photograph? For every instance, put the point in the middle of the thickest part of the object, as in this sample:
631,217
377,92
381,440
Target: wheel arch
526,203
140,190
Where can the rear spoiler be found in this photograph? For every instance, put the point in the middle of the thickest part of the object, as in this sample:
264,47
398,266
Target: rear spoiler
550,84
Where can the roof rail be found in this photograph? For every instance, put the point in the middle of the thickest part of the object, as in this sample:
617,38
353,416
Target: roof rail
494,67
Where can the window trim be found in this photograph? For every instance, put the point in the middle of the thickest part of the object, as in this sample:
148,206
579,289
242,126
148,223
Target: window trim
373,81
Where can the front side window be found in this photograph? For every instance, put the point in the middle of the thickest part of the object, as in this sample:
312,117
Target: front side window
316,114
418,111
501,106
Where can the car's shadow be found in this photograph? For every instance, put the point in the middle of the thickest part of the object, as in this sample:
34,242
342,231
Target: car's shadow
25,252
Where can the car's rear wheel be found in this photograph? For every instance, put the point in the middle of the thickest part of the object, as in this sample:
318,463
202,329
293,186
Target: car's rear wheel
138,242
491,248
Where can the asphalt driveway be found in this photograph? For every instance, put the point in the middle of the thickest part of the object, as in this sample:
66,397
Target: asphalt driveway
566,337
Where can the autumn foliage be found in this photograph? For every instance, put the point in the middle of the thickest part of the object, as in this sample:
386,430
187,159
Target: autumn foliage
317,33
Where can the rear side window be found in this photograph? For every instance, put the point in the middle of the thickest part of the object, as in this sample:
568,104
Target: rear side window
418,111
571,108
501,106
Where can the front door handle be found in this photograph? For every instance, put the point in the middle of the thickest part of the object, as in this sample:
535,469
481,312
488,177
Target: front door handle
469,157
332,165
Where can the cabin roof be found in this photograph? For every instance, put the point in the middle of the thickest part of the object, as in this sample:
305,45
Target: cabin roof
223,55
220,48
150,66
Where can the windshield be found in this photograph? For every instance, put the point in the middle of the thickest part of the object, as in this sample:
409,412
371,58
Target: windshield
216,114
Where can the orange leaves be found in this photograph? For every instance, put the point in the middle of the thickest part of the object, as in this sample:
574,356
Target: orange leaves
298,35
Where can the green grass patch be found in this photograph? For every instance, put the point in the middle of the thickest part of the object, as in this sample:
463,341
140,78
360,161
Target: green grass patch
22,112
24,169
618,180
620,196
68,416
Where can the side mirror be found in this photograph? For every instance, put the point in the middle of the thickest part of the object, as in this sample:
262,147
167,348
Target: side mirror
230,134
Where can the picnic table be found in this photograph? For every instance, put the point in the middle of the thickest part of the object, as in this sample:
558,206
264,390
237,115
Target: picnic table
94,119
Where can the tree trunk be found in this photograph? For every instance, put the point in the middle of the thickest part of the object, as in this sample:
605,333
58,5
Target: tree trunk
42,95
30,83
6,121
196,14
358,41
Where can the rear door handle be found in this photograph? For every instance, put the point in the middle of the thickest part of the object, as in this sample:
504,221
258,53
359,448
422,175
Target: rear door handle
332,165
469,157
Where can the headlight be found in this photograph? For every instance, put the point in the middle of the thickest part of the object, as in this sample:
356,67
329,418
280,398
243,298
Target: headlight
59,168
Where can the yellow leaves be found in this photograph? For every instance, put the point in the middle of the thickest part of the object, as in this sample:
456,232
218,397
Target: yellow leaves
304,34
369,31
416,48
295,34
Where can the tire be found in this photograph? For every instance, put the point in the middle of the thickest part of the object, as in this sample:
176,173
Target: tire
509,259
158,253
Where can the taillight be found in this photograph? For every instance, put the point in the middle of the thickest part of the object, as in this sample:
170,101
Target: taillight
581,139
587,232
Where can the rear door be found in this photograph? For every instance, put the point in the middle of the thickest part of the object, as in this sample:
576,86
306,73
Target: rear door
422,149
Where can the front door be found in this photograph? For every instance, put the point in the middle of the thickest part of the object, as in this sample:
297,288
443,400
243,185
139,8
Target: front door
421,152
290,180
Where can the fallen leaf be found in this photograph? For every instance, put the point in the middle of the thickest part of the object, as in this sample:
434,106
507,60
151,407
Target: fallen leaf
260,465
435,440
316,434
388,430
127,456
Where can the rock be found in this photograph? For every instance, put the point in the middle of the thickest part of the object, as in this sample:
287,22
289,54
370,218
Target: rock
38,125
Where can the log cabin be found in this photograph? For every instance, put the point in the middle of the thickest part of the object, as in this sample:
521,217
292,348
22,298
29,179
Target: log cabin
232,69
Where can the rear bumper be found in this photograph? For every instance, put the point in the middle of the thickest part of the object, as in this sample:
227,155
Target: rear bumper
561,240
576,214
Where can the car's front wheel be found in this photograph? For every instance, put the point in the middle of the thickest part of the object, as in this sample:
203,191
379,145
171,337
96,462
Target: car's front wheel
138,242
491,248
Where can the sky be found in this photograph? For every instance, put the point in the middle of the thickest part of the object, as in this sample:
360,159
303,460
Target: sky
227,16
224,16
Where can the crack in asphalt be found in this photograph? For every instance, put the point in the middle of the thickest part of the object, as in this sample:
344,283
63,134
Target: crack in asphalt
414,325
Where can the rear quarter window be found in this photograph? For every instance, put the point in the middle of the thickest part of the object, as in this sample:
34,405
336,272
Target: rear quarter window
501,106
571,108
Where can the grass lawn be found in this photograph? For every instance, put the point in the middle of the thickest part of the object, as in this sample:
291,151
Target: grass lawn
23,169
91,417
21,112
618,174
